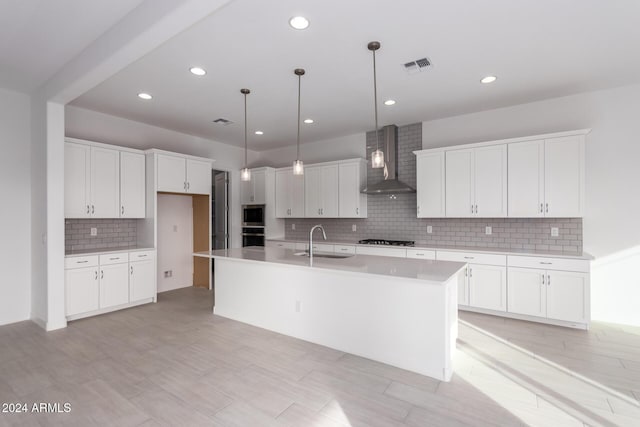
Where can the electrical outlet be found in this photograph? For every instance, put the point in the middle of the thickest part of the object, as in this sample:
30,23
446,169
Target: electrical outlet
555,232
94,231
293,226
487,230
175,228
353,227
298,306
429,229
168,273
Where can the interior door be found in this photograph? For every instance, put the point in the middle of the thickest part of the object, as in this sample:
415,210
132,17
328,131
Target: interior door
526,179
488,287
458,183
430,178
490,181
77,176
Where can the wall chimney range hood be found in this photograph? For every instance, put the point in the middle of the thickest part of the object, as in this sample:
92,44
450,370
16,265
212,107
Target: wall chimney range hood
390,184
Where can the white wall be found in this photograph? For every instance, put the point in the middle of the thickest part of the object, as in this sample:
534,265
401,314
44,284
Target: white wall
175,241
99,127
611,223
345,147
15,214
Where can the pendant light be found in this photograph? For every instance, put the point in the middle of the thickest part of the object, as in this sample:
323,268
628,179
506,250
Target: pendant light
377,157
245,173
298,167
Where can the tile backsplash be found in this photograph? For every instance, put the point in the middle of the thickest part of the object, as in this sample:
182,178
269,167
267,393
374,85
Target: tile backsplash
112,233
394,218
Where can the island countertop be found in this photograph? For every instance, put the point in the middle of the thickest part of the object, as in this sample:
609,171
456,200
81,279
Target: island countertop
406,268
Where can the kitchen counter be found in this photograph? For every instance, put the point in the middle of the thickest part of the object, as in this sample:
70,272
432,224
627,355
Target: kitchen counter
422,245
399,311
431,271
80,252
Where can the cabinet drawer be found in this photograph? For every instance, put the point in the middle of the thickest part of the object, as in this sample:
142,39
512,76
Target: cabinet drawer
373,250
278,244
301,246
421,253
472,257
141,255
81,261
548,263
344,249
118,258
322,247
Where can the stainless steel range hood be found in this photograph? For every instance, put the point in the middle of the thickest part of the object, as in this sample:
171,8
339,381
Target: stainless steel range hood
390,184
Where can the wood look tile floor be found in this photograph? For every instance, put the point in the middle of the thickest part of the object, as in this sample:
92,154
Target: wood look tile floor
174,363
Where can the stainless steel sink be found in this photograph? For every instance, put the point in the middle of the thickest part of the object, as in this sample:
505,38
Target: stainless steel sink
316,255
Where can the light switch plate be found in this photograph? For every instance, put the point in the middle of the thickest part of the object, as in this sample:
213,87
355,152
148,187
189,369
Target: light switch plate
175,228
94,231
429,229
488,230
353,227
555,232
293,226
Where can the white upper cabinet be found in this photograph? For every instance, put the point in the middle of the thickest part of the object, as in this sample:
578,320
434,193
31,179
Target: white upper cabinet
476,182
430,178
459,183
564,176
176,174
132,185
546,178
289,194
253,192
77,180
526,179
92,181
198,177
352,177
171,174
321,191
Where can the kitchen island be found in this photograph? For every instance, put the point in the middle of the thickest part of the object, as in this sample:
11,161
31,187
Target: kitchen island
402,312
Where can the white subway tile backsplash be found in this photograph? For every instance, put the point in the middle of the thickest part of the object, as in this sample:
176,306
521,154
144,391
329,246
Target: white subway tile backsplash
112,233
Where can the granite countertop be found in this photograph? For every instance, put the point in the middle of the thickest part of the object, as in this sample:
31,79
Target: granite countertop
423,245
407,268
80,252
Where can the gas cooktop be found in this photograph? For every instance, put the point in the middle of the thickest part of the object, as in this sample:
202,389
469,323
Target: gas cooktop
387,242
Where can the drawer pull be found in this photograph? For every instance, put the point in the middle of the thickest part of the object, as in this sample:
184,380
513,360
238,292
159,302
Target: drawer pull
469,257
81,262
114,259
419,254
142,256
343,249
546,263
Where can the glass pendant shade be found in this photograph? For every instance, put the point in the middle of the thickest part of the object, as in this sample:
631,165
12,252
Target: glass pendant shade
298,167
377,159
245,174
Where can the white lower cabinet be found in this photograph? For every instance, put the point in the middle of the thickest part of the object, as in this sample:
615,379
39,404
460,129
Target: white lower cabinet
488,287
558,295
95,283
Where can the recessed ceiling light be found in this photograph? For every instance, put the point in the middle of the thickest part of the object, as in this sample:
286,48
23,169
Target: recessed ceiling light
198,71
308,121
489,79
389,102
259,132
299,22
144,96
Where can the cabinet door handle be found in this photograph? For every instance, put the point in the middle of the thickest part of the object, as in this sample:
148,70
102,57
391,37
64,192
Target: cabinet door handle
546,207
548,279
88,210
471,208
476,208
132,270
466,272
188,185
541,210
470,272
93,209
122,210
543,279
102,274
357,211
96,278
418,208
322,211
184,186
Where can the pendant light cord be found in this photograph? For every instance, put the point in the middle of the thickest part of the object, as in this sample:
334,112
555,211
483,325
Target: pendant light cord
298,140
245,130
375,99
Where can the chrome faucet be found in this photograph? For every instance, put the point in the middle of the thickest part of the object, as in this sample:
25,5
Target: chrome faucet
324,235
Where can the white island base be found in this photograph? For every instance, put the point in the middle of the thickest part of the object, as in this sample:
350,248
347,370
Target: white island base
410,323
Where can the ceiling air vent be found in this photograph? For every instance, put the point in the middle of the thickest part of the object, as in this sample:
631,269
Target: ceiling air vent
418,65
222,121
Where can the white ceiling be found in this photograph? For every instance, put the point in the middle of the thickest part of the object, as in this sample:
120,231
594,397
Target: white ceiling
37,37
537,48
